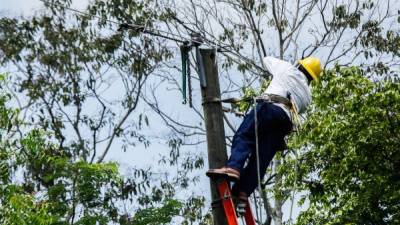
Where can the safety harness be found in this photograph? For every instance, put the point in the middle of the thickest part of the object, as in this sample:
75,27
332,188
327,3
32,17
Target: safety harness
289,104
286,102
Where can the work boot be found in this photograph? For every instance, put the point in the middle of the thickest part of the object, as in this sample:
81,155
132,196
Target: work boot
241,203
229,173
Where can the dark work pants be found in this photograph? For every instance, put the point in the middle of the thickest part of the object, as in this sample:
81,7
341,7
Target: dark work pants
273,125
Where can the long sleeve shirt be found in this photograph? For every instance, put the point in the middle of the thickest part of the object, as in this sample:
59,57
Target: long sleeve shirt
287,81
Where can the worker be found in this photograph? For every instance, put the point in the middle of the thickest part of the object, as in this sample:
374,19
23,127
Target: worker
277,108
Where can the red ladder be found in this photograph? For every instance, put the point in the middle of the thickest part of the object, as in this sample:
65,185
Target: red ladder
229,208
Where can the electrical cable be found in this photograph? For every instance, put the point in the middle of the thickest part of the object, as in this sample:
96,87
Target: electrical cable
141,28
293,191
256,207
165,35
257,152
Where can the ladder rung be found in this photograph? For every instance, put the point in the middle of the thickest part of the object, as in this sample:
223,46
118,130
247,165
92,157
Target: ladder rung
229,207
227,202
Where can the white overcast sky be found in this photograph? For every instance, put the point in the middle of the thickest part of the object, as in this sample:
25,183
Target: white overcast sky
28,7
19,7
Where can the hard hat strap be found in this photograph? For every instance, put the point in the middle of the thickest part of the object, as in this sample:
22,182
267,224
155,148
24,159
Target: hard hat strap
305,72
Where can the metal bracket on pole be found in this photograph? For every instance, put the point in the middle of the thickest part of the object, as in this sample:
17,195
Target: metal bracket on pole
197,40
185,48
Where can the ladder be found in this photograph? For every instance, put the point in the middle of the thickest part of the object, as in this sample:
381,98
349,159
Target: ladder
224,191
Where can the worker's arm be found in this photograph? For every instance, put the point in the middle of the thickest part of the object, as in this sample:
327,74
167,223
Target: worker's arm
272,64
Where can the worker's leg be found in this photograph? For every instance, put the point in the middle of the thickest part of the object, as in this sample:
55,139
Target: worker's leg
243,144
249,180
273,127
243,141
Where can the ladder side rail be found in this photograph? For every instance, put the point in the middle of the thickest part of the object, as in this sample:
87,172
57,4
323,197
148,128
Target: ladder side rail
227,202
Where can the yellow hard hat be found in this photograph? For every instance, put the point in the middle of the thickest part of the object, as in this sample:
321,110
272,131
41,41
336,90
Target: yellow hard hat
312,65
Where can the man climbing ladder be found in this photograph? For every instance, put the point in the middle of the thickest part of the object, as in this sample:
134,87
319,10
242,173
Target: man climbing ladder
274,115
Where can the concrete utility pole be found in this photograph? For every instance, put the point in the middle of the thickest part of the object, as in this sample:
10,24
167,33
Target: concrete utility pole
213,116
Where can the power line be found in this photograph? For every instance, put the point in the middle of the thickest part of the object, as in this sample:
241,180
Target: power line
166,35
141,28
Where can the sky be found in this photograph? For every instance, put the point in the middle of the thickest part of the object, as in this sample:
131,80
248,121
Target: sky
28,7
19,7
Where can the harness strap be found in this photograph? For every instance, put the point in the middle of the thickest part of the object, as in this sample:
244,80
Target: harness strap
257,151
264,97
276,99
286,102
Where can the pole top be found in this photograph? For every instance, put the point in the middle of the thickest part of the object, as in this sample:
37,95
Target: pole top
197,39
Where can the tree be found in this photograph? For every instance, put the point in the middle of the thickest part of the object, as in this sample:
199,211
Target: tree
67,63
78,82
55,189
348,159
339,32
67,66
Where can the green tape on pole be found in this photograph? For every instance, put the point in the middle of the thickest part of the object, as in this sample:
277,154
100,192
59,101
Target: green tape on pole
184,57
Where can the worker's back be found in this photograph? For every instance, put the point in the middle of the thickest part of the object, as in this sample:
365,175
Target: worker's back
288,80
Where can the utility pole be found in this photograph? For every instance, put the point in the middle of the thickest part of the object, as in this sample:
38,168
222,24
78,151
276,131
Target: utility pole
212,107
213,116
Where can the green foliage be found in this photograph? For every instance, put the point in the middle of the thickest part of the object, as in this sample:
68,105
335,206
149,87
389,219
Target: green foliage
64,186
19,208
158,215
250,92
342,18
348,158
57,189
18,204
70,62
192,211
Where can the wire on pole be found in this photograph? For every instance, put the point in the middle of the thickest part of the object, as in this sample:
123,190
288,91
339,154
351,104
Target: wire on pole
166,35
